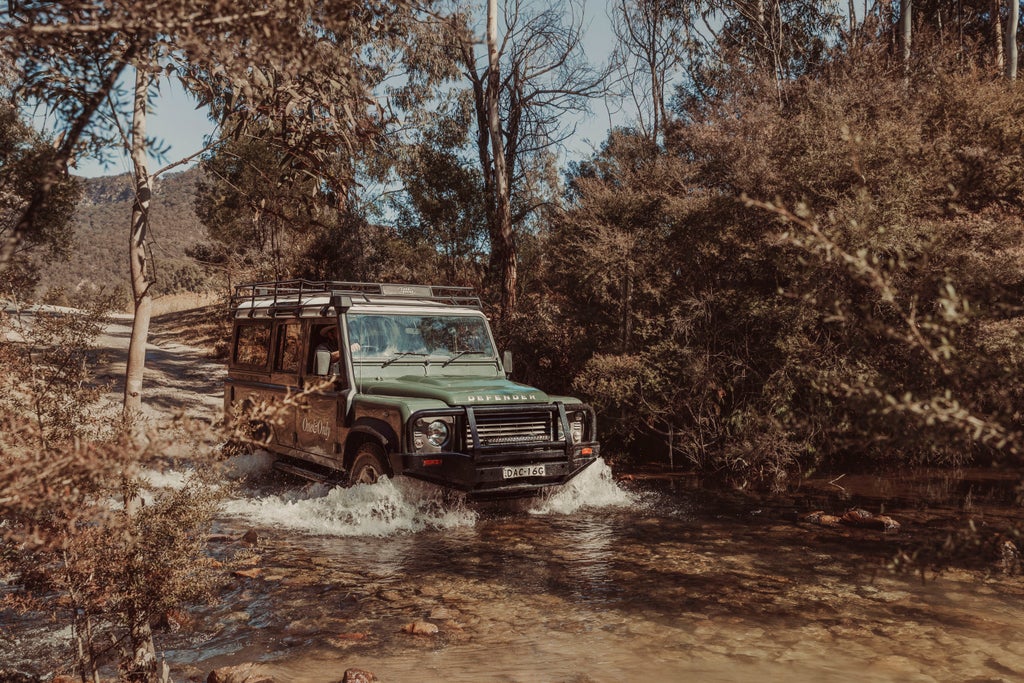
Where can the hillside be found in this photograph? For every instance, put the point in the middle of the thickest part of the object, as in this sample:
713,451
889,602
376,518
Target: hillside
101,227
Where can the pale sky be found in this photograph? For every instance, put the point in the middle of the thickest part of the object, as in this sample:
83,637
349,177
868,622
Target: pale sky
175,120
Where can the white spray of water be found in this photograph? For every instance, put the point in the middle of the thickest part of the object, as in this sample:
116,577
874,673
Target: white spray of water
382,509
594,487
389,507
164,479
249,464
238,468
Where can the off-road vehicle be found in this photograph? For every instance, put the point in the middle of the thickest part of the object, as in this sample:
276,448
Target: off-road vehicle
396,380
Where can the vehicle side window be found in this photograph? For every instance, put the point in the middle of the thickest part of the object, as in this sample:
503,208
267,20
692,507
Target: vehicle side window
289,349
252,345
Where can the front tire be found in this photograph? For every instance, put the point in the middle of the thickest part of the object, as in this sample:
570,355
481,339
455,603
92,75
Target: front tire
368,465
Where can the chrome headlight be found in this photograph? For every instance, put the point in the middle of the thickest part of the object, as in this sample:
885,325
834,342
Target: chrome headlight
432,435
437,433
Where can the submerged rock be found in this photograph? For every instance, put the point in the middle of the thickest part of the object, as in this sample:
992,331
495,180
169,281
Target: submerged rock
240,673
820,518
248,573
442,614
855,517
358,676
862,518
421,628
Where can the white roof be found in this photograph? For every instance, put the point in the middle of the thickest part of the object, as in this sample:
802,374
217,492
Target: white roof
312,305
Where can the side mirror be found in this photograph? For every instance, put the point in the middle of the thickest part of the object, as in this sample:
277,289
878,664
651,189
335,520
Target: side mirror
506,361
322,362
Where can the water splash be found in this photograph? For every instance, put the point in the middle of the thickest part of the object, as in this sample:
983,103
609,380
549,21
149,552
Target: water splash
594,487
153,480
249,465
382,509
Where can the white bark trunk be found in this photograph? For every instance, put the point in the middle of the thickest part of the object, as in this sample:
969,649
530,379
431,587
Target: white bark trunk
1012,22
503,207
906,30
141,282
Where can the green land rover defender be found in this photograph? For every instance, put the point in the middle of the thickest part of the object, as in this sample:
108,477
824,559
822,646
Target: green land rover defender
375,380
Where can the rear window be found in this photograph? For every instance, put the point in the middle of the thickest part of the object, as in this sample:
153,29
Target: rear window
252,344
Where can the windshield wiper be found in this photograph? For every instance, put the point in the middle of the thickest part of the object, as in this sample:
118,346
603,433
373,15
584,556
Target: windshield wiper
403,354
460,354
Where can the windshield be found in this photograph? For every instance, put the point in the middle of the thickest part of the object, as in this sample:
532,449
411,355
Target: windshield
378,336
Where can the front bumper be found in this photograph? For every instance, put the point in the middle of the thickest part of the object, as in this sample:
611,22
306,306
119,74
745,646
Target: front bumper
486,467
505,476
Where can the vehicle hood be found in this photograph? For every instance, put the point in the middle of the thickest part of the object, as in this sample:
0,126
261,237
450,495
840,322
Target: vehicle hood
456,391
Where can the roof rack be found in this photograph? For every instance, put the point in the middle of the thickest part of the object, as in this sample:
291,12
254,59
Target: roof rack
293,294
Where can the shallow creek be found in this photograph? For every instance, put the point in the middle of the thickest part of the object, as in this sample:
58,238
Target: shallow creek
604,583
643,581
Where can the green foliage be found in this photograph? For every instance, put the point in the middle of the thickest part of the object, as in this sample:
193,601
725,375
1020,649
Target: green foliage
864,315
24,154
444,208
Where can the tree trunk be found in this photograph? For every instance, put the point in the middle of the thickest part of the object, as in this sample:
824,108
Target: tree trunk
141,281
144,664
906,31
853,24
503,205
997,34
1011,40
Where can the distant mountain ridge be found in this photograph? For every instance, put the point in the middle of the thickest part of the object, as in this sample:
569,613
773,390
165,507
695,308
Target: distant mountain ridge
102,220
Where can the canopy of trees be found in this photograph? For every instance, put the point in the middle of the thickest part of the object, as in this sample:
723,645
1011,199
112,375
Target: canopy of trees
801,249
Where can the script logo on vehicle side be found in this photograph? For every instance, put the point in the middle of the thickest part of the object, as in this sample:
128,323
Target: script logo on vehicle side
316,426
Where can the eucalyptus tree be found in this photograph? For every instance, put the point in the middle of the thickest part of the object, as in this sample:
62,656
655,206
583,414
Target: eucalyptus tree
526,90
652,38
293,60
292,189
77,59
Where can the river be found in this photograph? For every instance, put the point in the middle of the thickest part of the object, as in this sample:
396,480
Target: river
599,583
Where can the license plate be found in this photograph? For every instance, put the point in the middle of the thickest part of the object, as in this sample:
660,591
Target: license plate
525,471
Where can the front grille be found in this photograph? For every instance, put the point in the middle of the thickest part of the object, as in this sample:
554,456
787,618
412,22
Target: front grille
514,429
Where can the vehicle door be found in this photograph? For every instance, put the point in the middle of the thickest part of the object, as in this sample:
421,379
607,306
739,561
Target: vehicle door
286,375
318,426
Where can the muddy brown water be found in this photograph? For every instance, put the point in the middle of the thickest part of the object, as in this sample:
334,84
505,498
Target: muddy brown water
605,581
653,581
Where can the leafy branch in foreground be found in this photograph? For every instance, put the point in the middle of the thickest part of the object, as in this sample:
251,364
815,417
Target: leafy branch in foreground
930,334
82,533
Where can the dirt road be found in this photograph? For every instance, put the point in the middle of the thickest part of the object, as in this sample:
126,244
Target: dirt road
179,376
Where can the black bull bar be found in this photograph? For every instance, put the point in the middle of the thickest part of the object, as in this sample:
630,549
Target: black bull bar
506,469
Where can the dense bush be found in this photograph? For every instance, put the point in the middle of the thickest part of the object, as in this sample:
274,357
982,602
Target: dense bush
860,307
76,540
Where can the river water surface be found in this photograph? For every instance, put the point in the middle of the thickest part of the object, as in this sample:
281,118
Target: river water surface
599,582
596,583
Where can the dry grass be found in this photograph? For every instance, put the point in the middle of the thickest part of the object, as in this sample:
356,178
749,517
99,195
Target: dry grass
207,327
183,301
